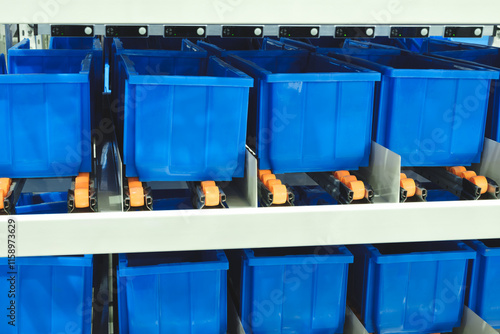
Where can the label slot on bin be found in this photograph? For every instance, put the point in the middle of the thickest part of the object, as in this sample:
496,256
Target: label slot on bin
299,32
352,32
242,31
409,32
185,31
72,30
127,31
472,32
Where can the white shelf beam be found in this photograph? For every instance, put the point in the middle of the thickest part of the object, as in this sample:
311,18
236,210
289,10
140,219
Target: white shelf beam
252,12
253,227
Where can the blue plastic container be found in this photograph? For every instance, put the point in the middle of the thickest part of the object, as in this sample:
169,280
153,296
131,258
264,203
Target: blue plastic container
409,288
178,292
489,59
444,125
52,294
305,110
45,100
484,293
294,290
185,116
318,45
222,47
432,45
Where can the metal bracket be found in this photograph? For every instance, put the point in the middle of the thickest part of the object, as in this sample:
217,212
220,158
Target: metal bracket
340,191
92,198
198,197
462,188
266,197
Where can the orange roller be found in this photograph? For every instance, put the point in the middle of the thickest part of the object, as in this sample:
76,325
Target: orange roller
349,178
267,177
1,200
272,182
211,195
82,180
481,182
5,186
340,174
82,198
280,194
136,196
467,174
133,182
402,176
409,185
358,187
456,170
205,184
263,172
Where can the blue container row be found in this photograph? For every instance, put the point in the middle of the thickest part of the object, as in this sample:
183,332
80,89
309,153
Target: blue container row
396,288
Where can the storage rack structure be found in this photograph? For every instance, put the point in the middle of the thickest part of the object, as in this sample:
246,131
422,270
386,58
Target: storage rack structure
245,225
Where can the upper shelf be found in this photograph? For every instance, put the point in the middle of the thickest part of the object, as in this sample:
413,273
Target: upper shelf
381,12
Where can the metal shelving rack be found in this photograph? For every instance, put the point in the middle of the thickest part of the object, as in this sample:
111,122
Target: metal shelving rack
245,225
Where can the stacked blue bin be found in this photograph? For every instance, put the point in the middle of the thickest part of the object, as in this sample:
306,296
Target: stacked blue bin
45,99
185,116
295,290
484,292
308,112
52,294
178,292
427,111
409,288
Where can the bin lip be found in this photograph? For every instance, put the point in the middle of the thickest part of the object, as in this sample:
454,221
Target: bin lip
96,43
482,249
124,270
344,256
463,71
448,55
465,253
192,47
242,80
61,261
430,41
220,52
358,73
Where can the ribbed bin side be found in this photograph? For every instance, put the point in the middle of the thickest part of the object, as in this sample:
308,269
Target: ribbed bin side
484,293
48,298
409,292
292,290
308,113
185,118
48,132
160,293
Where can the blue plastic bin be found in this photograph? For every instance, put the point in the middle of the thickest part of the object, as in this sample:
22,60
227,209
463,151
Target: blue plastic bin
185,116
295,290
178,292
484,293
489,59
51,295
409,288
45,100
318,45
308,112
428,110
432,45
222,47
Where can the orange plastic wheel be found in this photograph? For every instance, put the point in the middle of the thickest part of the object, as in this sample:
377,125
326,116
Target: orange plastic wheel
5,184
81,198
468,175
481,182
1,200
349,178
272,182
82,180
212,196
340,174
358,187
402,176
263,172
409,185
136,196
205,184
280,194
456,170
267,177
133,182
